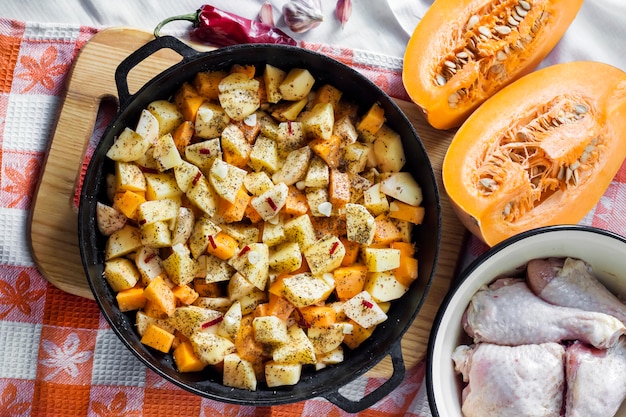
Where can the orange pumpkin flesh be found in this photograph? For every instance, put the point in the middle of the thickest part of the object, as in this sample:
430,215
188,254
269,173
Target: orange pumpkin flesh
463,51
540,152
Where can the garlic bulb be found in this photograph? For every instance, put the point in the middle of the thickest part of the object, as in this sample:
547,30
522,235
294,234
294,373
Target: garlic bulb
302,15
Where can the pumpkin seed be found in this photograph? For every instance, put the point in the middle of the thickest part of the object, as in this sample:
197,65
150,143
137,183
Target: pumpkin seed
449,64
525,5
503,30
501,56
512,21
581,108
472,21
484,30
507,210
489,183
521,11
440,79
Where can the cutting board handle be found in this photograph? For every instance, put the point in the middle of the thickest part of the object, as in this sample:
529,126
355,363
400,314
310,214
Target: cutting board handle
143,53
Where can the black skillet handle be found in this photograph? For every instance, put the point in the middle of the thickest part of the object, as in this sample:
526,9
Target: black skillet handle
162,42
379,393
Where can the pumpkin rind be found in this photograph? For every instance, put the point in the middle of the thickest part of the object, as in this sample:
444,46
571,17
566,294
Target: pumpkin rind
463,51
506,169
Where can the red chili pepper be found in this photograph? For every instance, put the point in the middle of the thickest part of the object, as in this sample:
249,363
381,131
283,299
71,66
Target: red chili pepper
244,250
367,304
196,178
142,222
212,322
205,151
220,28
271,203
149,257
333,248
212,241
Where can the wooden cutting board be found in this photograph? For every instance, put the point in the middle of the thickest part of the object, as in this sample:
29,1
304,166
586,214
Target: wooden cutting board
53,222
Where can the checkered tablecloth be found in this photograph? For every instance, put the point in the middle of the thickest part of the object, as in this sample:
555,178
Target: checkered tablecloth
58,357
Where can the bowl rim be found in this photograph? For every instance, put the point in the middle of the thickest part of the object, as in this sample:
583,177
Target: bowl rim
469,271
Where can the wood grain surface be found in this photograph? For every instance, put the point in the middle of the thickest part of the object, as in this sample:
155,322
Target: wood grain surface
53,223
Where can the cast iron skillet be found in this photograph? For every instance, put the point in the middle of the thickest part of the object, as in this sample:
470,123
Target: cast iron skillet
387,337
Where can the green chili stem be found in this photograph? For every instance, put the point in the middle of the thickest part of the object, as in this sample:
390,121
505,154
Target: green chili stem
191,17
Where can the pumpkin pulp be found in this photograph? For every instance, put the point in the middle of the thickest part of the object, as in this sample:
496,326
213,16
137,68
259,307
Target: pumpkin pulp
463,51
542,151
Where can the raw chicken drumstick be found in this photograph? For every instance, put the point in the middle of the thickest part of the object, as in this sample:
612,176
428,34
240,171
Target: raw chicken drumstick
514,381
507,312
568,282
596,380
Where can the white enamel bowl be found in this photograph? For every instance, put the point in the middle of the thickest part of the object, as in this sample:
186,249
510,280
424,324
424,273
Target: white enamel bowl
604,251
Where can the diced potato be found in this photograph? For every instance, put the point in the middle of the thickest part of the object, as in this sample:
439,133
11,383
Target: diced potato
239,286
300,229
273,77
282,374
220,304
239,95
355,156
273,234
251,301
229,327
298,350
203,231
239,373
216,269
165,153
328,94
122,242
304,289
318,202
128,146
148,126
364,310
183,225
156,234
226,179
375,200
318,174
202,195
211,348
270,330
402,186
180,267
360,224
167,114
286,257
289,111
389,150
109,219
319,122
121,274
129,177
157,210
381,259
161,185
383,286
191,319
325,339
149,263
235,148
142,321
211,119
333,357
202,154
325,255
297,84
294,167
289,137
345,129
269,204
264,155
243,233
257,182
253,263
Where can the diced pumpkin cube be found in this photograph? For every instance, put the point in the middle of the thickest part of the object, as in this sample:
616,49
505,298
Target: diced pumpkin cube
386,231
188,101
222,246
320,316
185,294
186,359
131,299
206,83
406,212
349,280
161,295
329,150
372,121
339,188
128,201
158,338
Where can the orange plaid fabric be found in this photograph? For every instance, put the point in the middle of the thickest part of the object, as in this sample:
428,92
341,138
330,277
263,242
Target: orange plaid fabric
58,357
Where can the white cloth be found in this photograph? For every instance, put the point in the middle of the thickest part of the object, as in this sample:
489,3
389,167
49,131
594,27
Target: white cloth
382,26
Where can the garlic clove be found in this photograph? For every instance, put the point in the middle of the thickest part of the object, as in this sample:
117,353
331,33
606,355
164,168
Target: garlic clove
302,15
266,14
343,10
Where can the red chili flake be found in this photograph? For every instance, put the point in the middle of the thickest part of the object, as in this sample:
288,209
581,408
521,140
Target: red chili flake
213,245
271,203
213,322
149,257
143,221
196,178
334,247
289,127
244,250
367,304
205,151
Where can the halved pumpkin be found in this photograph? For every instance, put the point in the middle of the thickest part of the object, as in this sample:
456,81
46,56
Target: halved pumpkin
463,51
540,152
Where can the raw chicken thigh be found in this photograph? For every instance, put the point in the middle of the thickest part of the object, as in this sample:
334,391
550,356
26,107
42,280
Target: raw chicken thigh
509,313
596,380
514,381
569,282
